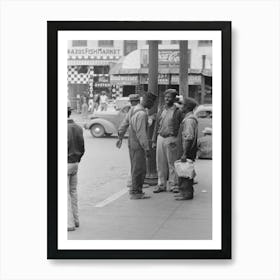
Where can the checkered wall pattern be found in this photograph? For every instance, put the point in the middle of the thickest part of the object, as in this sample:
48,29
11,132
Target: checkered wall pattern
74,77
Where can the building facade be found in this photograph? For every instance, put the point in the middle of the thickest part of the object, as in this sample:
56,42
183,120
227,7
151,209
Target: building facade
131,75
120,67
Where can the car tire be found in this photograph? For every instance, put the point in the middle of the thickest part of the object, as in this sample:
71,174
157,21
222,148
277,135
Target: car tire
97,130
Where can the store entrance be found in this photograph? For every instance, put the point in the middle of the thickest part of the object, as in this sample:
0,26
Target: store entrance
127,90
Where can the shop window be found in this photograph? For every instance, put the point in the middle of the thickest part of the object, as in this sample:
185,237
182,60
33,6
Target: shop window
129,46
82,69
106,43
79,43
204,43
104,69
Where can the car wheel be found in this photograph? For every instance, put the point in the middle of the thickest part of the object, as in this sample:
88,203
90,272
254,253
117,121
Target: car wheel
97,130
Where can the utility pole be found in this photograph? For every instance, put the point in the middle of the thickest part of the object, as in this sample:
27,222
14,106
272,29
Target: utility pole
183,74
203,80
151,169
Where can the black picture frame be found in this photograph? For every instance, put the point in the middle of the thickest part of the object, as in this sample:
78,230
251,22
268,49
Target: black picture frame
52,88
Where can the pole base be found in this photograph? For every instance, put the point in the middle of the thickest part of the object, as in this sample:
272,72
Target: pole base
151,179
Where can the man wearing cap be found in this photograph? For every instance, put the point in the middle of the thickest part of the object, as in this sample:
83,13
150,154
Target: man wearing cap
134,100
75,152
189,132
165,139
204,144
136,122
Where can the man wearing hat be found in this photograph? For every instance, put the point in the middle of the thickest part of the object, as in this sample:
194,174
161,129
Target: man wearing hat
204,144
136,122
188,138
134,100
165,139
75,152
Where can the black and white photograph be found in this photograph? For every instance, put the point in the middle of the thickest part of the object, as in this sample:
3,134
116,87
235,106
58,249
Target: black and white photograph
160,169
145,128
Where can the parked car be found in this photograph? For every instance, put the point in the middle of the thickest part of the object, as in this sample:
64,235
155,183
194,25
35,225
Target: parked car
121,102
106,123
204,117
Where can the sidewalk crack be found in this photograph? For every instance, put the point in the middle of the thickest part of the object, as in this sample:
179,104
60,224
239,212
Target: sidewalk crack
164,221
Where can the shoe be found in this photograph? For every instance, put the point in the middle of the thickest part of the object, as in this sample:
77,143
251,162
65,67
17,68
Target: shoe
139,196
77,224
71,229
158,190
146,186
184,198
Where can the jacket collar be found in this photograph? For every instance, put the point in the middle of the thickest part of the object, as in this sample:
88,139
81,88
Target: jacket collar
173,107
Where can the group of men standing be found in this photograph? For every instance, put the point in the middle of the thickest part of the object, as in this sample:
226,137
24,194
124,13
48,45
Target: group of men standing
175,137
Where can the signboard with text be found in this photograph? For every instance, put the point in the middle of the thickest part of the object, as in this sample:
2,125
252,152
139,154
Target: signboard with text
124,80
166,58
100,52
93,56
163,79
102,81
192,79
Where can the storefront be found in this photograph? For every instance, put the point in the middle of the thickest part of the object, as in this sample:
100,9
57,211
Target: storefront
135,80
124,84
88,71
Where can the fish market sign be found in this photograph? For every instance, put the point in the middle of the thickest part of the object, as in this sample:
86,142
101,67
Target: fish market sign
101,53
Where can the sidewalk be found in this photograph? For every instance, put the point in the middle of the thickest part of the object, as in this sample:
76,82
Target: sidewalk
160,217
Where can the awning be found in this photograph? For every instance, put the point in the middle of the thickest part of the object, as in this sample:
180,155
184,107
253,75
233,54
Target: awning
131,65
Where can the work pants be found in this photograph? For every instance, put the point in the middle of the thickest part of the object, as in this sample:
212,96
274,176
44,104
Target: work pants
166,155
95,106
90,106
103,106
73,216
185,187
138,169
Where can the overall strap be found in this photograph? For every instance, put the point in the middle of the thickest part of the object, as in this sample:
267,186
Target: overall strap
133,112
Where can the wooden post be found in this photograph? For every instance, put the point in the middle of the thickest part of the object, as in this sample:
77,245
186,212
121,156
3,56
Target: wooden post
151,169
183,74
203,80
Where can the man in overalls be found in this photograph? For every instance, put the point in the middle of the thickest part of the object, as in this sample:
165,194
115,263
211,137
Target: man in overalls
136,122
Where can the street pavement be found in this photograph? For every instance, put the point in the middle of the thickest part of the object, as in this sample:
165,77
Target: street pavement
107,213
